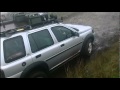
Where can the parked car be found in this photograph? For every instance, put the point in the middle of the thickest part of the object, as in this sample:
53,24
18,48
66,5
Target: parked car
34,53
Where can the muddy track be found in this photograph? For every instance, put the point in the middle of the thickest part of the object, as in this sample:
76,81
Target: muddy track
106,26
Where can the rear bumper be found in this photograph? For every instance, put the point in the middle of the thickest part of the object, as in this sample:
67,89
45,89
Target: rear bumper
16,75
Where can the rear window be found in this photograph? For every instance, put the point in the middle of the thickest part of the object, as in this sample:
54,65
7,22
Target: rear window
14,49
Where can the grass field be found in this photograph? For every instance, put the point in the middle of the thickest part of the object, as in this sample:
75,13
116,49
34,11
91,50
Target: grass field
103,65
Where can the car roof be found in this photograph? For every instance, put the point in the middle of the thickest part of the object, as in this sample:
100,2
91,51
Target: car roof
33,30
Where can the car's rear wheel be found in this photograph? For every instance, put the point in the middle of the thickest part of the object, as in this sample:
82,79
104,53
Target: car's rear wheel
87,48
37,74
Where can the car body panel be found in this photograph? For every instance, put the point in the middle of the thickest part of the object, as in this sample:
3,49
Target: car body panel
53,55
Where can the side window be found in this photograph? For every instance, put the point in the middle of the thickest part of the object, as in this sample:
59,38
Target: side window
14,49
40,40
62,33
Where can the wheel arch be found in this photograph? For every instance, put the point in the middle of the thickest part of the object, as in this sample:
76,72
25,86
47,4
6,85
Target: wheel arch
41,65
89,36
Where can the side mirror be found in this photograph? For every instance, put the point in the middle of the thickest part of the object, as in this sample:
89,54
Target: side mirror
76,34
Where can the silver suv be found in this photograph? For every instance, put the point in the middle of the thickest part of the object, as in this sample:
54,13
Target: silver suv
34,53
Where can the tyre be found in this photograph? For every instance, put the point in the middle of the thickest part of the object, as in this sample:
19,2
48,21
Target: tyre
87,48
37,74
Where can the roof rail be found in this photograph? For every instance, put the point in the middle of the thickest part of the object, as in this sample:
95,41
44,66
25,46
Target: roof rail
7,33
13,31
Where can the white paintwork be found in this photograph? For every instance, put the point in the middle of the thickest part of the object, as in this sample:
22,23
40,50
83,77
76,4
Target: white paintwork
81,28
14,68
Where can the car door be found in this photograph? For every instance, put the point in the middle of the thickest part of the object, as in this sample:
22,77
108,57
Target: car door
44,48
68,43
16,55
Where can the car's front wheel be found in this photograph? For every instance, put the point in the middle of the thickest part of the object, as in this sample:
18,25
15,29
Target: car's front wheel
87,48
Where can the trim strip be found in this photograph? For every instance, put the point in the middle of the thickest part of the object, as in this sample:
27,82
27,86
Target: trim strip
63,61
62,52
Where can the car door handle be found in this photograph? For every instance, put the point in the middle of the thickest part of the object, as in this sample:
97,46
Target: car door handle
38,56
62,45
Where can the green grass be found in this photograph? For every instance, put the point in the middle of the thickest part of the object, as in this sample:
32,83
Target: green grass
103,65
